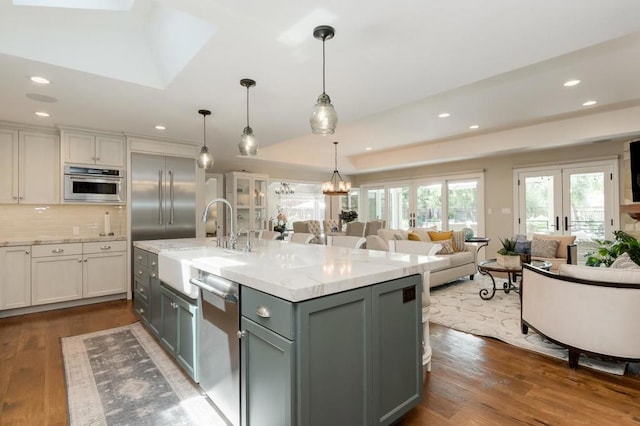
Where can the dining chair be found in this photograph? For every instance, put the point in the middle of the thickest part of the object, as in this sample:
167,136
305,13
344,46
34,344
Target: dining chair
268,235
372,226
355,229
301,237
346,241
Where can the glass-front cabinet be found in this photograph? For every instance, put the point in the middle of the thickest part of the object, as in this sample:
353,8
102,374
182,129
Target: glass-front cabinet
247,193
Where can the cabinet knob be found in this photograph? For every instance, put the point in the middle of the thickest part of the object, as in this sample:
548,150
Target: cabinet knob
153,263
86,260
15,198
139,272
79,260
241,334
105,248
153,275
139,257
141,310
263,312
58,250
27,252
141,289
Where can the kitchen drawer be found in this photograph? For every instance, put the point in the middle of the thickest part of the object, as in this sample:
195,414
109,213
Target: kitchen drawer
269,311
49,250
152,261
141,272
140,256
142,309
104,247
142,289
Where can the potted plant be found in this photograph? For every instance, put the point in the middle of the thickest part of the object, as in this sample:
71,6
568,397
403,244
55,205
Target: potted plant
507,256
608,251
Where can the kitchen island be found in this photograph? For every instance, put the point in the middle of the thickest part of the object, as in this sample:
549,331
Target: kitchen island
328,335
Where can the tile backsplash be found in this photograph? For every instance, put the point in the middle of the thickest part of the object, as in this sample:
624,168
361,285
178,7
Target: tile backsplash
42,221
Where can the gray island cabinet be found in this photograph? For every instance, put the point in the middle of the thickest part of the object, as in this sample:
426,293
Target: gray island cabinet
351,358
302,334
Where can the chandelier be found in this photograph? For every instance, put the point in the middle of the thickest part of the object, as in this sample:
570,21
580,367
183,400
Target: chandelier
336,185
284,189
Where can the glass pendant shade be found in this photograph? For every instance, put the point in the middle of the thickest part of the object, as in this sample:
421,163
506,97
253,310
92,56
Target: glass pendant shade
336,185
324,118
248,145
205,159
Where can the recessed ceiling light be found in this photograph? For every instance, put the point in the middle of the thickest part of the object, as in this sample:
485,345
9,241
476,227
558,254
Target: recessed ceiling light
474,126
571,83
160,127
444,115
589,103
42,114
368,148
39,80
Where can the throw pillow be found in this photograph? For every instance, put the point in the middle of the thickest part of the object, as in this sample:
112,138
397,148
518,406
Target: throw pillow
440,236
401,236
422,232
412,236
458,240
544,248
624,261
447,246
563,240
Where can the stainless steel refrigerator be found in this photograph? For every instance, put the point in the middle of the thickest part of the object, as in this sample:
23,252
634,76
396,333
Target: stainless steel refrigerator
163,197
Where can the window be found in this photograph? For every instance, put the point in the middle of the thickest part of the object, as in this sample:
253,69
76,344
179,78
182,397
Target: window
305,203
446,203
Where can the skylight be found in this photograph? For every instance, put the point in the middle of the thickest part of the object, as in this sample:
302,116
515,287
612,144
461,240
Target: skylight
121,5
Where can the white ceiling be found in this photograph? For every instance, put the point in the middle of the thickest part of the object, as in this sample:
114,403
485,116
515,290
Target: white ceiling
391,69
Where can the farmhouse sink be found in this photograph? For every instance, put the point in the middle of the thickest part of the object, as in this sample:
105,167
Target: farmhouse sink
174,266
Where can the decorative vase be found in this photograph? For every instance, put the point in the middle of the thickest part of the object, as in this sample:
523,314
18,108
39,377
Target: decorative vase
507,261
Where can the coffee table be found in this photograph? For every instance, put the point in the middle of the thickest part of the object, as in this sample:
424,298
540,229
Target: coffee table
486,267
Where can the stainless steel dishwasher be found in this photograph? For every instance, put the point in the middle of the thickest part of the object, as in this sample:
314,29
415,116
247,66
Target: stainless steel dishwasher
218,348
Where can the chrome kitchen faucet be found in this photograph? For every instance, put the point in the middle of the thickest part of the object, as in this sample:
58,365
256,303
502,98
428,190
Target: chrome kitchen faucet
232,235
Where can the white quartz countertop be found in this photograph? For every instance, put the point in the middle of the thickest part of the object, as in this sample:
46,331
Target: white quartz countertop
297,272
12,242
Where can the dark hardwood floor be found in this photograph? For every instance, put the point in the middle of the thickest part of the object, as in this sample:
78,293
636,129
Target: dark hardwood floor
474,381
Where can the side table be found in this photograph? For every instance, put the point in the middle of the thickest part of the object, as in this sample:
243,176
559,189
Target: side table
482,242
488,266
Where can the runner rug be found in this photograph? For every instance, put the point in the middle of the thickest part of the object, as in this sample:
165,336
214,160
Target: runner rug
459,306
121,376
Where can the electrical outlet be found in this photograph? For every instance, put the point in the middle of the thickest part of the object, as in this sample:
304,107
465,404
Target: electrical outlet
76,230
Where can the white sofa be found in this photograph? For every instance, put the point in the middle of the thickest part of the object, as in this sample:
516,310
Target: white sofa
585,309
461,264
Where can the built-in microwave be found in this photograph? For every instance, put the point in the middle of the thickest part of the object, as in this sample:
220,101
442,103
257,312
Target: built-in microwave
93,185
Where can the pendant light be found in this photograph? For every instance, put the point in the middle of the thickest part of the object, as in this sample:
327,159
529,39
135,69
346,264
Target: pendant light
336,185
248,145
205,159
324,117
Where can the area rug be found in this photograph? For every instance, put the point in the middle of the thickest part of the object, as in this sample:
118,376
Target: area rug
121,376
458,305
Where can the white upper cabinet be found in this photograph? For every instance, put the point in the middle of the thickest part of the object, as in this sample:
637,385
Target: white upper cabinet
93,148
29,167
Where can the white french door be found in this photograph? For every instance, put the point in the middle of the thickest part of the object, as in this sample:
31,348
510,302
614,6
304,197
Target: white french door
450,203
578,200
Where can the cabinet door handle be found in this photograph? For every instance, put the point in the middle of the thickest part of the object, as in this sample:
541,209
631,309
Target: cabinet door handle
241,334
58,250
105,248
263,312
